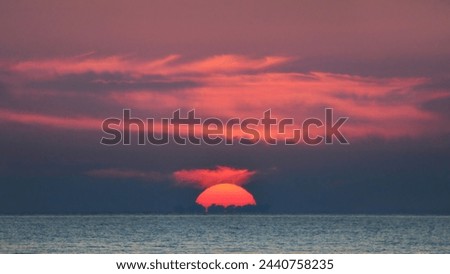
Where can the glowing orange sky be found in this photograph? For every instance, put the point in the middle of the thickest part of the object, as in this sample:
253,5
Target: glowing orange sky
225,195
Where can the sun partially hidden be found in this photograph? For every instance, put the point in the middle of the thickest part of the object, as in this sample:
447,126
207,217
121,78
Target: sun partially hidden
225,195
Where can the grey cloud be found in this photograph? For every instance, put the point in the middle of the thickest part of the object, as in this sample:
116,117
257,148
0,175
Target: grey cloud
394,66
104,82
436,83
440,106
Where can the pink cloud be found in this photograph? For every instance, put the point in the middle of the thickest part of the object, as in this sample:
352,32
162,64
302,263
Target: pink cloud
300,96
204,178
238,86
165,65
86,123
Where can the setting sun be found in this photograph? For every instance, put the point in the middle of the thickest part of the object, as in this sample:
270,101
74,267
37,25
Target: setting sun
225,195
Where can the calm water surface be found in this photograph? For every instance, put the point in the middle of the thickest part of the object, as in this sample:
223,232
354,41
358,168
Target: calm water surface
224,234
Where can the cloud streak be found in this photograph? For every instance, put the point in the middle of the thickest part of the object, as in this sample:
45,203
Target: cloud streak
204,178
115,173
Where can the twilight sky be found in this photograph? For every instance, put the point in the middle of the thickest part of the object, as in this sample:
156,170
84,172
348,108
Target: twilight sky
65,66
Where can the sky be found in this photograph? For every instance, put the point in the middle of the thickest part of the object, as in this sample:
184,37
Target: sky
65,66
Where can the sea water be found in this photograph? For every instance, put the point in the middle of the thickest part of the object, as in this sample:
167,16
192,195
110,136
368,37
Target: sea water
224,234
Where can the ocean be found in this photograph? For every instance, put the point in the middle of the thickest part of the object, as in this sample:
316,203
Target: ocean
224,234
